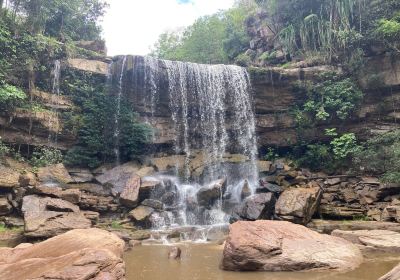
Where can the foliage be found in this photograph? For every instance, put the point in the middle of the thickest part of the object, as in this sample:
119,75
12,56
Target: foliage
217,38
11,96
4,149
344,146
315,156
243,60
334,97
44,156
381,155
94,123
271,154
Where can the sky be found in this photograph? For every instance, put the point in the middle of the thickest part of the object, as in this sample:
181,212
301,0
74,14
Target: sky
133,26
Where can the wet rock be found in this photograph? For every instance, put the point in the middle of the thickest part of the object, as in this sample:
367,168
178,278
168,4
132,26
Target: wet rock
206,196
268,187
263,165
156,204
9,178
298,204
5,207
246,190
129,197
141,213
169,198
394,274
283,246
383,241
77,254
47,217
388,189
134,243
217,233
151,187
174,253
256,207
141,235
54,174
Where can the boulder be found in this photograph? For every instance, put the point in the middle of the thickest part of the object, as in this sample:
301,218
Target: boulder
46,217
372,240
129,197
27,179
97,203
256,207
298,205
246,190
141,213
150,186
91,188
5,207
9,178
77,254
156,204
71,195
268,187
54,174
391,214
283,246
118,178
394,274
206,196
81,175
175,253
327,226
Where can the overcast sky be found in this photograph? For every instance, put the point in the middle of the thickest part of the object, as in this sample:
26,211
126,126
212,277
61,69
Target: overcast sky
133,26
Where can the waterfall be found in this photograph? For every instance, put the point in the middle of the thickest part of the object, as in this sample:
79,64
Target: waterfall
211,114
55,97
118,110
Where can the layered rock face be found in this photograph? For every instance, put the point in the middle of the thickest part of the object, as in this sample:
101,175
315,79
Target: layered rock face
77,254
283,246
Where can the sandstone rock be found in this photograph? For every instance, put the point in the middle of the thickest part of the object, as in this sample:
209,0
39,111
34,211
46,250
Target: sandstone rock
372,240
165,163
118,178
5,207
283,246
263,165
27,179
145,171
92,216
140,235
258,206
149,186
70,195
206,196
54,174
129,197
8,178
91,188
77,254
327,226
333,181
246,190
268,187
391,214
341,212
97,67
97,203
47,217
155,204
141,213
394,274
81,175
298,204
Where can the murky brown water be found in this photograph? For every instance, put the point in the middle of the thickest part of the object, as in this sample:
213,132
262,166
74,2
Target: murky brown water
201,262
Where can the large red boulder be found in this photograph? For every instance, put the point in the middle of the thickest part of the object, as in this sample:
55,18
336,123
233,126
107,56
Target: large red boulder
283,246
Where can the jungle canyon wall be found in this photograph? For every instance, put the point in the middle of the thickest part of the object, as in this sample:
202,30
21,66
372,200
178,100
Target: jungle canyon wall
272,96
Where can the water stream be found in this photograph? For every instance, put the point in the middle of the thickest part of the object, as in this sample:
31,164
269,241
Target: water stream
201,262
55,97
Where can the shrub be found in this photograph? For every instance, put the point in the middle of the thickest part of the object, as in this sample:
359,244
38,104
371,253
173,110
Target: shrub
4,149
11,96
43,156
243,60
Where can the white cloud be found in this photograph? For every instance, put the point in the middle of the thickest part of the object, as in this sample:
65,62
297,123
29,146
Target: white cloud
133,26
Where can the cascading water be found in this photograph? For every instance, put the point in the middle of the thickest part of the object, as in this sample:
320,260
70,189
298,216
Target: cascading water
118,108
211,111
55,90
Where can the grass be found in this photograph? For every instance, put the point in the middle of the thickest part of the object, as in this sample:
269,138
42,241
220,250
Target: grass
116,225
